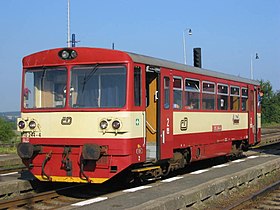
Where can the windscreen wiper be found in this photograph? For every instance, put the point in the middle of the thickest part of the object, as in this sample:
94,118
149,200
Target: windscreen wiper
88,76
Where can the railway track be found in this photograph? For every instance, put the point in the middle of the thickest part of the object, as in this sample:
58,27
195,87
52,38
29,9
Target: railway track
12,169
46,200
60,197
269,137
268,198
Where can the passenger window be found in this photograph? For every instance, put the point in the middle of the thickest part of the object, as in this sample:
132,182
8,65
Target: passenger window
208,96
166,92
234,98
244,105
177,92
222,97
192,94
137,86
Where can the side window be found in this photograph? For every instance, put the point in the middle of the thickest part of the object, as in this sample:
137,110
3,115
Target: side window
137,86
208,95
222,97
244,103
251,100
166,92
192,94
234,98
177,92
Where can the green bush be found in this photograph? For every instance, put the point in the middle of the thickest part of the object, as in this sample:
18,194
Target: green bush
270,104
7,133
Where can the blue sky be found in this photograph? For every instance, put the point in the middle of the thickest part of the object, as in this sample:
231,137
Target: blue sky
228,32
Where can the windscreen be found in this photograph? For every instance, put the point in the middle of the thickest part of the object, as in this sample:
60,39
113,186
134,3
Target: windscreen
98,86
45,88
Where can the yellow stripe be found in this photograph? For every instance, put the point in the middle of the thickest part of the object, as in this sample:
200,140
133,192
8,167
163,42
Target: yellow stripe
72,179
145,169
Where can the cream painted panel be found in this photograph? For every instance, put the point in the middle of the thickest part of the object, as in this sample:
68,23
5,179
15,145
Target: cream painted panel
86,124
259,120
203,121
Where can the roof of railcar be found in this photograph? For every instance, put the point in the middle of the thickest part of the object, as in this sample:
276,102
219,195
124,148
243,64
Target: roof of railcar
173,65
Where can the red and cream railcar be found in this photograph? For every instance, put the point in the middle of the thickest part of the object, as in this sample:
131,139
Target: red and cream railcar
88,114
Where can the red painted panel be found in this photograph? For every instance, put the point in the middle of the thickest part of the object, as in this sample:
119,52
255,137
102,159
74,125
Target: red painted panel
85,56
166,117
210,144
121,153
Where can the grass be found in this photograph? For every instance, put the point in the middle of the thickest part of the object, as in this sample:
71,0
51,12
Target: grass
12,149
270,125
8,150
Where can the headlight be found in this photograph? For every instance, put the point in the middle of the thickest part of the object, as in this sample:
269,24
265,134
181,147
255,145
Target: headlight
67,54
32,124
116,124
21,124
73,54
103,124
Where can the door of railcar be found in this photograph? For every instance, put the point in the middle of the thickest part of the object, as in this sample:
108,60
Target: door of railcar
253,118
159,118
152,144
166,114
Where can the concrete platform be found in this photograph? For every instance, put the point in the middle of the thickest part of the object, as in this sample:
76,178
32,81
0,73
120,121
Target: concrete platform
9,160
191,188
14,187
174,193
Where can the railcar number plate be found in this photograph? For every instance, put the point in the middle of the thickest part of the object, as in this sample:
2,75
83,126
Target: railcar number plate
33,134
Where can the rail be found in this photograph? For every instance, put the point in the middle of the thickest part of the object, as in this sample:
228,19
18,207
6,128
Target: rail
267,198
29,200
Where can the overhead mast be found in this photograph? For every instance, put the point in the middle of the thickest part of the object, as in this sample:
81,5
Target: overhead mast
68,25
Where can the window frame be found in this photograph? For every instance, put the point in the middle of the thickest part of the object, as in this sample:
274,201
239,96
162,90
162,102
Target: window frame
220,95
192,90
36,95
175,105
210,93
166,89
77,68
233,86
234,95
244,97
213,83
137,90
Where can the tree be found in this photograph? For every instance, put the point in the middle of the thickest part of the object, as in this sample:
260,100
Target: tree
276,107
6,131
270,103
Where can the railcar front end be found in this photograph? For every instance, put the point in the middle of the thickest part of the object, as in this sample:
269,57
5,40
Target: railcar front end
76,123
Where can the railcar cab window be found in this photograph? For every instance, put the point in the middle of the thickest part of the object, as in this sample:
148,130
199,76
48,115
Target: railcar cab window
166,86
208,95
137,86
177,92
234,98
98,86
222,97
45,88
244,103
192,94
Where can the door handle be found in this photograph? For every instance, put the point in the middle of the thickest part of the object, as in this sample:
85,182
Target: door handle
156,95
163,136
